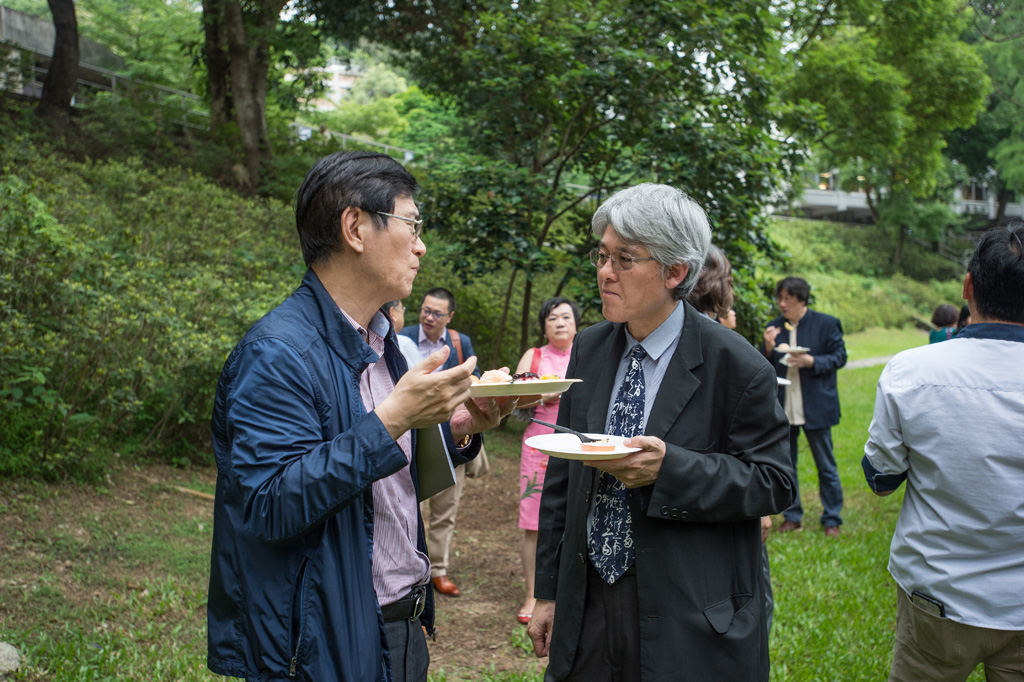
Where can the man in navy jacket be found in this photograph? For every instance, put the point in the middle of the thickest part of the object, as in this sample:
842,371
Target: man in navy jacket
806,348
318,565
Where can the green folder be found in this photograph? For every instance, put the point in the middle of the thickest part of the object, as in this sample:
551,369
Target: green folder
433,467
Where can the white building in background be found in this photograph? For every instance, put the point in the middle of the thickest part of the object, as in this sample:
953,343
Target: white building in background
338,80
823,200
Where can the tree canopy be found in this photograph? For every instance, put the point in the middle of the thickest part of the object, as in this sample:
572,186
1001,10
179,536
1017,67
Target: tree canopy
883,86
564,102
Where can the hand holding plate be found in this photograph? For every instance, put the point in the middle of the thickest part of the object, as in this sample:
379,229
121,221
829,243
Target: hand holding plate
637,469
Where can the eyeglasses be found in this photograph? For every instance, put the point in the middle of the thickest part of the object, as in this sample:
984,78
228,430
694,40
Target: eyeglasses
436,314
414,224
621,262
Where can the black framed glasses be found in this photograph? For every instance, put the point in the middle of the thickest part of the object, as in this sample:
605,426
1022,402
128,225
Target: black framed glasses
415,225
436,314
623,261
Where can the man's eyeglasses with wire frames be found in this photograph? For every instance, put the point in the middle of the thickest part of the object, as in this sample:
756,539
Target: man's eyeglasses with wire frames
621,262
415,225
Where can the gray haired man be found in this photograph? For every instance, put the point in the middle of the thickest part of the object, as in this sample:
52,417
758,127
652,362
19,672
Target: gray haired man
649,564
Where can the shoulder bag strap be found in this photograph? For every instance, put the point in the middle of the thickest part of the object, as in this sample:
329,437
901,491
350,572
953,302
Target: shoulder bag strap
457,342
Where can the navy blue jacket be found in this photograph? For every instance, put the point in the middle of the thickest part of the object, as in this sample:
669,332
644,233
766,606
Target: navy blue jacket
823,334
291,594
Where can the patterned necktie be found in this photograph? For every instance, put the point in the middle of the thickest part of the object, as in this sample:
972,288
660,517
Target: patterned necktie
610,544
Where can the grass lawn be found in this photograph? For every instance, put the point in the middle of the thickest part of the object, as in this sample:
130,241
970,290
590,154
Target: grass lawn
835,603
877,342
110,583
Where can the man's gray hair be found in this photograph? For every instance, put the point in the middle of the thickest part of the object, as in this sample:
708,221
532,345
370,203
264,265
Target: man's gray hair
665,220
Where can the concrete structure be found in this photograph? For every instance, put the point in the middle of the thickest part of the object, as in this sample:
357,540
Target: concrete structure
35,37
822,199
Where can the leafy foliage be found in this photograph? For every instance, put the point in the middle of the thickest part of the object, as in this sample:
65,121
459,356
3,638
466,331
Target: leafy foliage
852,278
563,103
123,291
151,35
885,84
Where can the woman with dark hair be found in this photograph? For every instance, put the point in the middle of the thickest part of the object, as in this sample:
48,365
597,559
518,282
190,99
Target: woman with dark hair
558,319
964,319
943,319
712,296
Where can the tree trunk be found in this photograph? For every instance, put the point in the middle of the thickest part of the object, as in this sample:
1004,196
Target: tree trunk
1002,199
496,353
248,62
897,255
62,76
216,57
872,208
237,51
524,317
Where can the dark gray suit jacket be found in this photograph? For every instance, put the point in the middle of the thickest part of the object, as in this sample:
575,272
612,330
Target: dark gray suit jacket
697,529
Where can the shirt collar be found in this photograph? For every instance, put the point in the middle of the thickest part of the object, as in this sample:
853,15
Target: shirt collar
992,330
379,327
424,340
658,341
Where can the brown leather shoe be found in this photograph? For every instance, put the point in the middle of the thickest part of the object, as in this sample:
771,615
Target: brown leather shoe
831,531
789,527
445,586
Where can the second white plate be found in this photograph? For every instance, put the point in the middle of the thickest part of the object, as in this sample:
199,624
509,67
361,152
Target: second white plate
567,446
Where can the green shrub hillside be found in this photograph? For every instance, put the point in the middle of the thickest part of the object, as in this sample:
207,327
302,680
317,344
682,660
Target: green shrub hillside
123,289
124,286
849,268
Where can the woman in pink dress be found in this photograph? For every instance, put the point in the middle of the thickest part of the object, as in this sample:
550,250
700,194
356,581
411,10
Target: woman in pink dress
558,318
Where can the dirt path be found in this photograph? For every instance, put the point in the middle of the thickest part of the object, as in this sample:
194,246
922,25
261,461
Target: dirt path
478,630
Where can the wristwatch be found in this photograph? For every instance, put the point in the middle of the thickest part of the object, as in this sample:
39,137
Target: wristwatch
464,443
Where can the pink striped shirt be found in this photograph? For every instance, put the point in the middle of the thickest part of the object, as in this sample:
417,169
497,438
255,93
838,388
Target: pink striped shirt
398,566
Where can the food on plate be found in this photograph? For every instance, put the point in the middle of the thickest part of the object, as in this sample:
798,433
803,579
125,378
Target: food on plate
782,347
499,376
493,376
598,446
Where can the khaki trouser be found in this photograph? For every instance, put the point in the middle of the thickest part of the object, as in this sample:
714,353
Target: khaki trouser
941,650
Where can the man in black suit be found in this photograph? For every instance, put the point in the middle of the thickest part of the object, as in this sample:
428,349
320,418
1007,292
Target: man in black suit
809,396
649,565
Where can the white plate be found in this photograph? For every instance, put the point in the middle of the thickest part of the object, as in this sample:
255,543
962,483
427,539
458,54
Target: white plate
783,382
531,387
567,446
793,350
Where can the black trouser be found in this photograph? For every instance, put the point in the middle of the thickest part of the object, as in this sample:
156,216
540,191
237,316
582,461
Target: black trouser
406,641
609,645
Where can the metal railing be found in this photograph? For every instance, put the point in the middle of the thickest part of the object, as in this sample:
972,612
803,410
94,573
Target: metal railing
191,106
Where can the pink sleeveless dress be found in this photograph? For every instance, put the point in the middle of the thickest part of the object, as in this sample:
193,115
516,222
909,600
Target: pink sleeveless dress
534,463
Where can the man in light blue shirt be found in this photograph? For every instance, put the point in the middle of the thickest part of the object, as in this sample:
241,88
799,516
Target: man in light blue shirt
949,420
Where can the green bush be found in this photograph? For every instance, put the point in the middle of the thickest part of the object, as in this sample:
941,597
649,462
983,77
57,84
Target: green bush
123,290
858,249
848,267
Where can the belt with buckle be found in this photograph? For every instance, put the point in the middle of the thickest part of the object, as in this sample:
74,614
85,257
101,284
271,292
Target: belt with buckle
406,608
